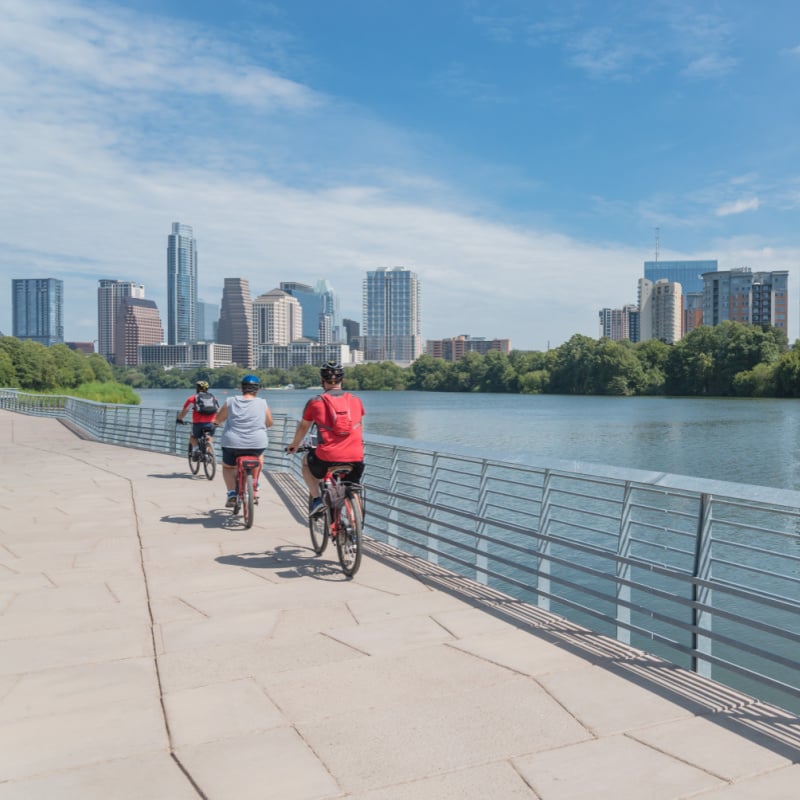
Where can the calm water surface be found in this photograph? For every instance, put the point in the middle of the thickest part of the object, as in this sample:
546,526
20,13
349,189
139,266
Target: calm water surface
742,440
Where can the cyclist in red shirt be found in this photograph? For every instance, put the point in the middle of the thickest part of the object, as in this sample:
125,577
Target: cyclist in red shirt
337,415
202,417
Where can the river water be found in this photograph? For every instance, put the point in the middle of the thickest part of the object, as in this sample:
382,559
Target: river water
743,440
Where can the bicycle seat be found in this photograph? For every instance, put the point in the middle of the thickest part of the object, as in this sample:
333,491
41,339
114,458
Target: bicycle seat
341,469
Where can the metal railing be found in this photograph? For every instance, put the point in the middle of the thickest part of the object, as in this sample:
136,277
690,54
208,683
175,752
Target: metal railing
703,573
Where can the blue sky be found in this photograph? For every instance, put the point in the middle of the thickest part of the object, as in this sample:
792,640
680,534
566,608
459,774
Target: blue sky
518,155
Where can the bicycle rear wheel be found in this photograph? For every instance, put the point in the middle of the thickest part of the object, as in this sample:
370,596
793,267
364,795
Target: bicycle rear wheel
348,540
194,464
247,501
210,462
319,527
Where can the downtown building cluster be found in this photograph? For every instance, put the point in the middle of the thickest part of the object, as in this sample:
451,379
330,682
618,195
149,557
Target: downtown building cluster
291,325
675,297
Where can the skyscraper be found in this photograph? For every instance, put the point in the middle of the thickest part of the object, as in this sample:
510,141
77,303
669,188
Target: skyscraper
660,310
38,309
277,318
138,323
392,315
321,318
207,320
181,285
236,320
110,294
689,274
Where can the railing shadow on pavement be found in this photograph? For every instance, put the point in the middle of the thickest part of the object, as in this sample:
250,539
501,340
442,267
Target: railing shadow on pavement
771,727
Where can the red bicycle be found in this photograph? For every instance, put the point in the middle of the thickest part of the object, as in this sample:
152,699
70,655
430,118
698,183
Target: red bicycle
248,469
342,520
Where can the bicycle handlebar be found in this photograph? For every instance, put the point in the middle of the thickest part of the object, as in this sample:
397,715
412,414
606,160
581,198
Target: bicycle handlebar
303,448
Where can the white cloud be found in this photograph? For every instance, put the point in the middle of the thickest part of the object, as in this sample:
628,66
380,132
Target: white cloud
738,207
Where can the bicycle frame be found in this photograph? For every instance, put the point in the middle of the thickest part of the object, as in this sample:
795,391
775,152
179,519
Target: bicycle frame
248,470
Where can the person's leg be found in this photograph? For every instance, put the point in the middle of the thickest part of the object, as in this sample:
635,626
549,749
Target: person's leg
311,481
229,473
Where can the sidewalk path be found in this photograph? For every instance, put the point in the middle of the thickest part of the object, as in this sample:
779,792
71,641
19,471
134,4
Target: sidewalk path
152,648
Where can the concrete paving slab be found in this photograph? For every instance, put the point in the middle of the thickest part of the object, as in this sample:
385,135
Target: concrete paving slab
57,623
86,687
778,785
392,636
78,647
586,691
33,746
218,630
523,652
366,684
498,780
709,745
438,735
276,763
154,777
612,767
220,711
188,669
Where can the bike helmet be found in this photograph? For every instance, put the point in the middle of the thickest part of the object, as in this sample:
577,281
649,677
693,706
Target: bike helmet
331,371
201,386
251,383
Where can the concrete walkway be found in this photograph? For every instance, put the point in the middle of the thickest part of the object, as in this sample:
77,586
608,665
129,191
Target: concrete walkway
152,648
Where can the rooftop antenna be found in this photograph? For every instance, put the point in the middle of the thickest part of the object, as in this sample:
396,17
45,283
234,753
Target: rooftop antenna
657,233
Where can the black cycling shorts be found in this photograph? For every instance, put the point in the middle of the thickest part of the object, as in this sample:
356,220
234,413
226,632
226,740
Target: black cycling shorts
318,467
199,429
230,454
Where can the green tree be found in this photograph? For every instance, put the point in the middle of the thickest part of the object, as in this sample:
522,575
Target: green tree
8,377
498,374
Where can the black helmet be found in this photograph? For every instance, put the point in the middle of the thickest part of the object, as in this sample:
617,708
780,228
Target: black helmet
202,386
251,383
331,371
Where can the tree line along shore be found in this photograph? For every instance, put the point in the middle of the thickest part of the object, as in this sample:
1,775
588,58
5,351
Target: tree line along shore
729,359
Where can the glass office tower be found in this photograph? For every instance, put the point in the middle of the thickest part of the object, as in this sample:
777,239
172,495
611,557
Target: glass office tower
181,285
689,274
38,309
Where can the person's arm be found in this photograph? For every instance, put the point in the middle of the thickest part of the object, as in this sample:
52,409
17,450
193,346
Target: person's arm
299,435
268,417
182,412
222,414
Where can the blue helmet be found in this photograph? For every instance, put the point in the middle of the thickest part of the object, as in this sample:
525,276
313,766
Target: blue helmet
251,382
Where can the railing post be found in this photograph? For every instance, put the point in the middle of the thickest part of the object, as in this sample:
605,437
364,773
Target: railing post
543,548
481,545
702,619
392,522
431,545
624,569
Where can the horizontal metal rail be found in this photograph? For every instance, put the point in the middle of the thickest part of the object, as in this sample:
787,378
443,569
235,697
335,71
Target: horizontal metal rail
703,573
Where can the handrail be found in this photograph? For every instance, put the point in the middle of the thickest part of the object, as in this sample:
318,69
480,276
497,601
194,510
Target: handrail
702,573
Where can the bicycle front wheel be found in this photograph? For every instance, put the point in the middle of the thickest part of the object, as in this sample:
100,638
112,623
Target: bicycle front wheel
194,464
247,501
210,462
319,528
348,540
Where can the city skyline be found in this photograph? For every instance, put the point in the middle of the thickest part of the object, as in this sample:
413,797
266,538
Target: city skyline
518,157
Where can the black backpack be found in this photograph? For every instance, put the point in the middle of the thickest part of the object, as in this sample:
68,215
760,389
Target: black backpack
206,403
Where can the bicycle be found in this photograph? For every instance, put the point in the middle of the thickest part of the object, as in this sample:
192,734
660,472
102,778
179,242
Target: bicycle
248,469
205,454
342,520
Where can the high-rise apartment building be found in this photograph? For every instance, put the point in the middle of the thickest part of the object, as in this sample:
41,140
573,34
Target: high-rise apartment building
277,318
138,323
38,309
110,294
352,333
181,285
660,310
620,323
236,321
392,315
741,295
